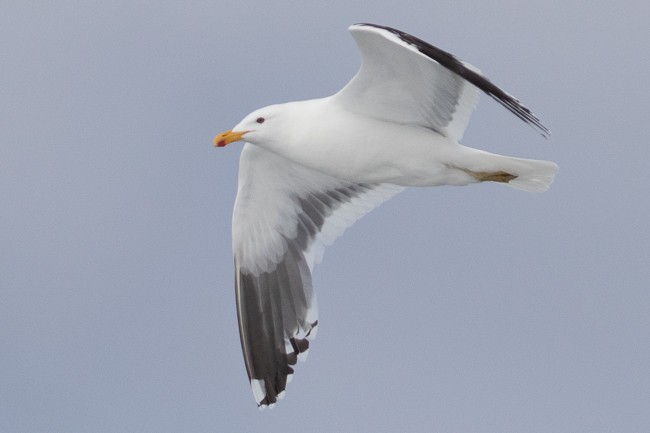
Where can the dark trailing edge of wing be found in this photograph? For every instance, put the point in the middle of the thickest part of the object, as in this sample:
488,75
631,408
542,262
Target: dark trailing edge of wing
450,62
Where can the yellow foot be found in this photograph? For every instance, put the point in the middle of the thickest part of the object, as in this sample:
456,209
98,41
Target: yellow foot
491,176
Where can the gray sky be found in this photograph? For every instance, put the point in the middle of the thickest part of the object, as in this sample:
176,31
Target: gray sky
475,309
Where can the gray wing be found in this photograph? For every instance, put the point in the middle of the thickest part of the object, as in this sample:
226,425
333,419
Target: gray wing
284,216
406,80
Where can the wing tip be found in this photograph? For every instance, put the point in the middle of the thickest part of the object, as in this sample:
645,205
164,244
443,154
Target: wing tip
513,105
268,391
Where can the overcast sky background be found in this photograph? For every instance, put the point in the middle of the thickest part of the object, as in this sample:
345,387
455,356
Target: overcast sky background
475,309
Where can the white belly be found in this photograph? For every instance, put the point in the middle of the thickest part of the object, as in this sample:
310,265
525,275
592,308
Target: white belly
365,150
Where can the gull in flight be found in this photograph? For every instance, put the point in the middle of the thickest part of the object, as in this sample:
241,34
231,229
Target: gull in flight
310,169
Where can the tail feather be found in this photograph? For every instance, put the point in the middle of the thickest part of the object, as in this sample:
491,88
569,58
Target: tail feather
525,174
537,176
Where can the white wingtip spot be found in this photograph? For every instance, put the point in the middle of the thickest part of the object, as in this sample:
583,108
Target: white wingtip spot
257,385
312,333
302,357
289,378
281,395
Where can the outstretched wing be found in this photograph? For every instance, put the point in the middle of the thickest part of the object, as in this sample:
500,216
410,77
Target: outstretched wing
405,80
284,216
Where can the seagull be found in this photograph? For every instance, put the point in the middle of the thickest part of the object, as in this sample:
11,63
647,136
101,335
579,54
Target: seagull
310,169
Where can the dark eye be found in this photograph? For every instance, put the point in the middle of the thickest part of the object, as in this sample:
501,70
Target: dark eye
260,120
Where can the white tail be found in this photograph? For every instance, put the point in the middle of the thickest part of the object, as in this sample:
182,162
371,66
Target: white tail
529,174
535,175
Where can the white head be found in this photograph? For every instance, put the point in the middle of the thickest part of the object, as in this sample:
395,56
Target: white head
263,126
